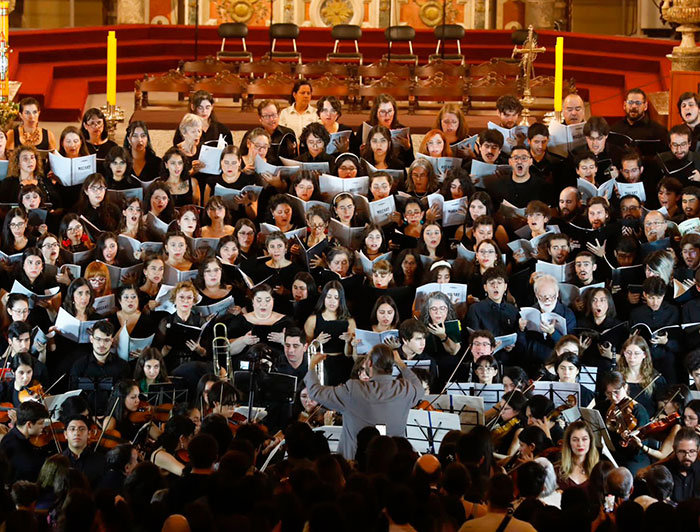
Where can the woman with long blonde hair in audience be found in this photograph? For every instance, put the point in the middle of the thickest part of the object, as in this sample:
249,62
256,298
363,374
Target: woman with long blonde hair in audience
579,456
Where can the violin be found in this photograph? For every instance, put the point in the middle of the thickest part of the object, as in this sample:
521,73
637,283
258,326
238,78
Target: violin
5,412
621,419
655,427
427,405
183,456
32,393
235,422
501,432
108,439
53,432
146,412
570,403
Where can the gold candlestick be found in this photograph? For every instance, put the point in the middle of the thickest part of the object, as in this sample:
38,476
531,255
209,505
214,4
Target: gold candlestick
113,116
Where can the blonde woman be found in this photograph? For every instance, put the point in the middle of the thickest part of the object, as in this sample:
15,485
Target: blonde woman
578,456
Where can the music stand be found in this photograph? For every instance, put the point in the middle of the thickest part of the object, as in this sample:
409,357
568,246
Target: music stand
557,392
412,364
332,435
258,413
425,429
53,402
469,409
265,387
95,385
167,392
490,393
587,377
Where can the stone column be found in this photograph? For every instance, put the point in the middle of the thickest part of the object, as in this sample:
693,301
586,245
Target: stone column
539,14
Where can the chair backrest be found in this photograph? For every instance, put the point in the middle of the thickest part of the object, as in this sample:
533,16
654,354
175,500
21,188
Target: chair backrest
449,31
229,30
400,33
265,67
284,30
437,65
223,84
321,68
346,32
209,66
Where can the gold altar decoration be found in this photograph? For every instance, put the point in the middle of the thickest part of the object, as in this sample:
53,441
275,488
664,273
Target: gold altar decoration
528,54
240,10
687,14
335,12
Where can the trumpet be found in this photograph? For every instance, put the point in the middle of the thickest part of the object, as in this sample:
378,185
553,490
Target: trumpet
220,347
316,347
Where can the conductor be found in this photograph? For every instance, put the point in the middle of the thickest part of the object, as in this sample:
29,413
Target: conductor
382,400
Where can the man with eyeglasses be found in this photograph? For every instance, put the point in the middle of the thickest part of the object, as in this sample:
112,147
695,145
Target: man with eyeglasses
99,365
91,464
283,139
521,188
637,125
655,226
689,108
684,467
681,162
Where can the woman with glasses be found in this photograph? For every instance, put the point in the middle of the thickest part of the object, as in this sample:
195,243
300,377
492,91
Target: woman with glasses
643,381
211,284
278,271
486,369
304,185
146,164
384,113
317,220
421,180
435,312
15,237
73,236
347,165
202,104
50,251
313,142
258,143
118,171
93,129
97,274
179,334
94,206
245,234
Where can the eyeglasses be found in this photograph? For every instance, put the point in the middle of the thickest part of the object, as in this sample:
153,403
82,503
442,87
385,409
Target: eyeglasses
51,245
268,116
635,102
679,145
95,123
81,430
691,452
261,146
547,298
481,344
21,311
521,159
385,112
97,188
317,226
486,252
330,111
75,228
316,143
442,308
98,279
633,353
17,225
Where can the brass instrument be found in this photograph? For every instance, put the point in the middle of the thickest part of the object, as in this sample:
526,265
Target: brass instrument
220,346
316,347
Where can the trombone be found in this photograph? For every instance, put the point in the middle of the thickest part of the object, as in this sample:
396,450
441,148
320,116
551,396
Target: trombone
220,347
316,347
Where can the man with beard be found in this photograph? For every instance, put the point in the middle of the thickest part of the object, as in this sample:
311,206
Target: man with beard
573,110
690,202
680,162
521,188
633,172
546,164
684,467
570,208
558,246
637,125
489,147
509,109
689,109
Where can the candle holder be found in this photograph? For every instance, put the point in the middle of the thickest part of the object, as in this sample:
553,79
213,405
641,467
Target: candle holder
113,115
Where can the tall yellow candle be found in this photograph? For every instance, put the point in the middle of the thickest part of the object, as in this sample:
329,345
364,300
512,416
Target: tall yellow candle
4,52
558,73
111,69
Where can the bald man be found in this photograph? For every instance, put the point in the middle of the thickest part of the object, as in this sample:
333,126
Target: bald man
573,109
569,205
655,226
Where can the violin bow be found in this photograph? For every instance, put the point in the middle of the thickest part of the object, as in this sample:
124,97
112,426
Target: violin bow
104,425
447,383
495,420
46,392
663,406
647,386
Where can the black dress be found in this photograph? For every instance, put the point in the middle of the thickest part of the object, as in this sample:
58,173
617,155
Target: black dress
238,326
337,368
101,150
42,146
151,170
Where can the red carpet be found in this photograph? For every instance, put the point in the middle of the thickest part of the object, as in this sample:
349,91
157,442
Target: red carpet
61,67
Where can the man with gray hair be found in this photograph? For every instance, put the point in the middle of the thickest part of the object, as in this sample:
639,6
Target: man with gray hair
684,466
619,483
538,344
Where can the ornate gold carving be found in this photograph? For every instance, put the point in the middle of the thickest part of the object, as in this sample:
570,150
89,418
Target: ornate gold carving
336,12
431,14
240,10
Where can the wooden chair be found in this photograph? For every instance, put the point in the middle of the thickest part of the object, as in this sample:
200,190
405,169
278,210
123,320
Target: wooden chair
319,69
482,93
263,68
172,81
440,88
391,84
276,85
395,34
330,85
224,85
439,66
209,66
502,68
284,31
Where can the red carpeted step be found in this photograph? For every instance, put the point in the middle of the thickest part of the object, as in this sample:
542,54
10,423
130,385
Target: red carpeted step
65,104
36,80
